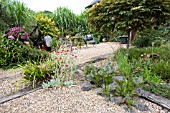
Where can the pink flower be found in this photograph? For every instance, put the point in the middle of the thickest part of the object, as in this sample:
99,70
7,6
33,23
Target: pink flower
27,43
60,68
60,58
11,37
57,52
66,65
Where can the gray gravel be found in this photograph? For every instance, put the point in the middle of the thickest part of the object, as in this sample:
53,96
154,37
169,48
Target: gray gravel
71,100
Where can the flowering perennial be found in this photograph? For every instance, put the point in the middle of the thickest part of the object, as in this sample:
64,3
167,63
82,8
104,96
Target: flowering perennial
17,33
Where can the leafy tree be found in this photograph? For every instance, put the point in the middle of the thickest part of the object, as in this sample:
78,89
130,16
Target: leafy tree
82,22
128,15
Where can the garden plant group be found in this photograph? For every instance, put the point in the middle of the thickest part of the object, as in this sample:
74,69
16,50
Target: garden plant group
144,64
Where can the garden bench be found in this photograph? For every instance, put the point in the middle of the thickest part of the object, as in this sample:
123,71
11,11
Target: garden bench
89,39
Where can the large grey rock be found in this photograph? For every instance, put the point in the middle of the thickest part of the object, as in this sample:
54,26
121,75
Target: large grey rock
86,86
140,106
112,86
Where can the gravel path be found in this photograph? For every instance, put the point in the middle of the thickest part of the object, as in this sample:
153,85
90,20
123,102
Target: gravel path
72,100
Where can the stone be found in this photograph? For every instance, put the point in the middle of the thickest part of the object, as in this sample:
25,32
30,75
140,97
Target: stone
141,107
117,100
106,98
79,73
112,86
99,91
112,99
82,79
76,74
120,78
129,110
138,80
86,86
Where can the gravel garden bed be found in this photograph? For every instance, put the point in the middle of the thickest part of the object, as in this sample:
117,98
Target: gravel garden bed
71,100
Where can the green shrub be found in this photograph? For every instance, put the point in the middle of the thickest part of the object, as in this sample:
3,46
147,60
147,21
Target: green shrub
14,52
46,26
137,53
161,68
159,89
36,72
149,38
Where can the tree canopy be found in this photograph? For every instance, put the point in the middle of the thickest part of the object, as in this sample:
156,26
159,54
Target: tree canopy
127,15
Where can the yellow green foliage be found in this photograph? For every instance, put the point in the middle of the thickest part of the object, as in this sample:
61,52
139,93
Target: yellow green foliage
47,26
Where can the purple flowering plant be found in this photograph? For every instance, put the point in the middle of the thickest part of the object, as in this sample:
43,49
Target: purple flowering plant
17,33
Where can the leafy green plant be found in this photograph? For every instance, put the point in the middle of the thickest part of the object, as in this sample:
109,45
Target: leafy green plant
126,89
47,26
37,73
161,68
63,67
14,52
148,37
159,89
88,69
124,66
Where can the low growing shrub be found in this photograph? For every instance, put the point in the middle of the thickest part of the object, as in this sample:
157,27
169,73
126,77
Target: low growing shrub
161,68
149,37
14,52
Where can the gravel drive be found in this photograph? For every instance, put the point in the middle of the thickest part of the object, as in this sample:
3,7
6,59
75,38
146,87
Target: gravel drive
72,100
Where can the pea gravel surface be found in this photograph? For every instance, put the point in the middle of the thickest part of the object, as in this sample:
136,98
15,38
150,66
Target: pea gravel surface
72,100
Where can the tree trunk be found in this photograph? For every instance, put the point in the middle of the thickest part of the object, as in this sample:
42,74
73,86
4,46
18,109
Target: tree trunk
129,39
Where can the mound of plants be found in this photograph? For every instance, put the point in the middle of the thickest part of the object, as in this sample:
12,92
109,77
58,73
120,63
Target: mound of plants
15,49
56,71
154,37
114,85
151,64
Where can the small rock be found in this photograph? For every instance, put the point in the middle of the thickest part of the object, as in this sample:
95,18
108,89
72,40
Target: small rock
76,74
120,78
86,86
112,86
132,111
82,79
138,80
117,100
106,98
99,91
112,99
141,107
129,110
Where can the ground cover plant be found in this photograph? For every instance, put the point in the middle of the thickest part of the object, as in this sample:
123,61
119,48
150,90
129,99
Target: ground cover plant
151,64
113,84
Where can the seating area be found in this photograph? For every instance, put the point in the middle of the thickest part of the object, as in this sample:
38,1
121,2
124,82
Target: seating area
89,39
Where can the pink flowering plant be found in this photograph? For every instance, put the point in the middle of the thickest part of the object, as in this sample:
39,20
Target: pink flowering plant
17,33
63,66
